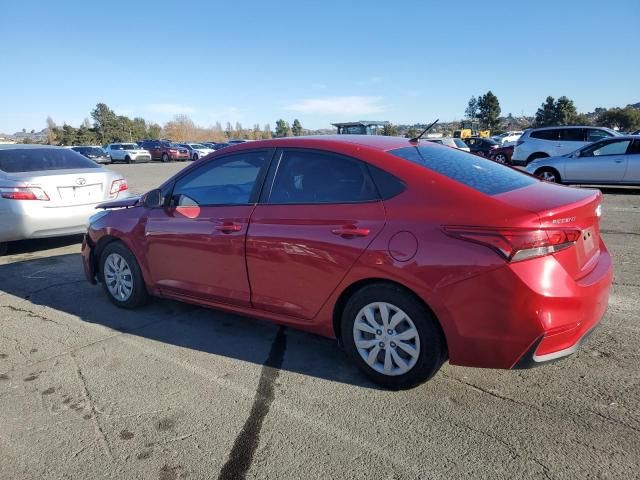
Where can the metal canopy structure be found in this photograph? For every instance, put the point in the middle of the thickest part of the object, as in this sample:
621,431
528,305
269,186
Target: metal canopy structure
361,127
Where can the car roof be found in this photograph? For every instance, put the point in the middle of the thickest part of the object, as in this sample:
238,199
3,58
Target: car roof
375,142
16,146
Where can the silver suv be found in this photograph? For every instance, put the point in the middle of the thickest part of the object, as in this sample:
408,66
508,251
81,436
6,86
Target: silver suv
555,141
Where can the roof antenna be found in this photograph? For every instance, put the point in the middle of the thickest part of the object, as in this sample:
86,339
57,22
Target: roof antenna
429,127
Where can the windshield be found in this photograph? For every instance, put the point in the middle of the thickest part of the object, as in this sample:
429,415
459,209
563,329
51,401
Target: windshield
459,143
476,172
130,146
39,159
198,146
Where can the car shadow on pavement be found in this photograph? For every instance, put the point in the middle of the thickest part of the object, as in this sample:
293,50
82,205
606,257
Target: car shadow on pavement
58,282
36,245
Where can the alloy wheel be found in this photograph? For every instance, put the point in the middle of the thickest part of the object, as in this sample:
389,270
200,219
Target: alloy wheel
548,176
501,158
386,339
118,277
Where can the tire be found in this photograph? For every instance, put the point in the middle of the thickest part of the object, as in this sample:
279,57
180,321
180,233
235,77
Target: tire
118,263
535,156
165,158
501,158
3,249
548,174
127,159
195,157
424,350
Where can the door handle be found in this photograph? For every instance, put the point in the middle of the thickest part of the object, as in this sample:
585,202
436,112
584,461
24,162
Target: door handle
350,231
228,227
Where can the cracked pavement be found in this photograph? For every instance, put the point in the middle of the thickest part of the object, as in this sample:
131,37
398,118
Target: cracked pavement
176,391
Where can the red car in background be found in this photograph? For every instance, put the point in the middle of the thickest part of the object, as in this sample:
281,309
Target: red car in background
502,155
165,151
410,254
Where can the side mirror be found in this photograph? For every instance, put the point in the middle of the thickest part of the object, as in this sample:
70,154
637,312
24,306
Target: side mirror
152,199
577,153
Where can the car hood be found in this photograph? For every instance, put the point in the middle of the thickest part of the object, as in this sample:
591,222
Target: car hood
124,203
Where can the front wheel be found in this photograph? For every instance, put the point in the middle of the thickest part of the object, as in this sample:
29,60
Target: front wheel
165,158
392,337
195,157
501,158
127,159
548,175
121,277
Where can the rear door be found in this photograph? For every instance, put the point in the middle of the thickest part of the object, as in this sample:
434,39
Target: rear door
196,244
570,139
604,161
318,213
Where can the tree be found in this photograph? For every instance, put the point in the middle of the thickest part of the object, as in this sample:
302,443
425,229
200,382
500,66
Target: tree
229,130
181,128
153,131
106,124
266,131
297,128
471,111
282,128
546,114
558,112
565,111
624,119
51,131
412,132
489,110
239,130
390,130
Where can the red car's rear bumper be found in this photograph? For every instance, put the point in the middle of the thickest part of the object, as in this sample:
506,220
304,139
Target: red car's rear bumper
545,315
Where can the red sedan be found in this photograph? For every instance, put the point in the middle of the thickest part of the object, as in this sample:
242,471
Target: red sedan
410,254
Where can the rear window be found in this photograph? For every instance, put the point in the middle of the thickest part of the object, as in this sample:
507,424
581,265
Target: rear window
572,134
545,134
476,172
38,159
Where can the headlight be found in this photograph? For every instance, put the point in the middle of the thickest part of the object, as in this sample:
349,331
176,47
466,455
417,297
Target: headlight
97,216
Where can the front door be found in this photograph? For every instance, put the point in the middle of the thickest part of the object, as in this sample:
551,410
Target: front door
196,244
318,214
604,161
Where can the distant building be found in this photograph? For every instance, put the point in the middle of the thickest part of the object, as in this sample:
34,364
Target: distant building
361,127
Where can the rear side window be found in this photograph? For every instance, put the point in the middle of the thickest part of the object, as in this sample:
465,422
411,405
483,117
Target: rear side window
39,159
476,172
545,134
572,135
308,177
388,186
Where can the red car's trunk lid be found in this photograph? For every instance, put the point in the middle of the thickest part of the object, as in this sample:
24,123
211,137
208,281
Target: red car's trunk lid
560,207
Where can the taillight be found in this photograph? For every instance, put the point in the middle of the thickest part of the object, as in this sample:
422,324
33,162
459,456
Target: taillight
515,244
23,193
118,186
173,150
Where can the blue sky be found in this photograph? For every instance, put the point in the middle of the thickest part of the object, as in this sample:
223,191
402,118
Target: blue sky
325,61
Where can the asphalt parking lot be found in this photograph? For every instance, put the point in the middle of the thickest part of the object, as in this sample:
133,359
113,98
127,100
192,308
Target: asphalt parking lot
175,391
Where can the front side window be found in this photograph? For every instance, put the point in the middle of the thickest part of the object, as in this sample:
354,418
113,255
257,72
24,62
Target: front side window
116,146
606,148
321,177
595,134
226,181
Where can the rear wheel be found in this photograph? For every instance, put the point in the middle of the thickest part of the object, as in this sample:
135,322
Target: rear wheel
165,157
127,159
392,337
548,175
121,277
